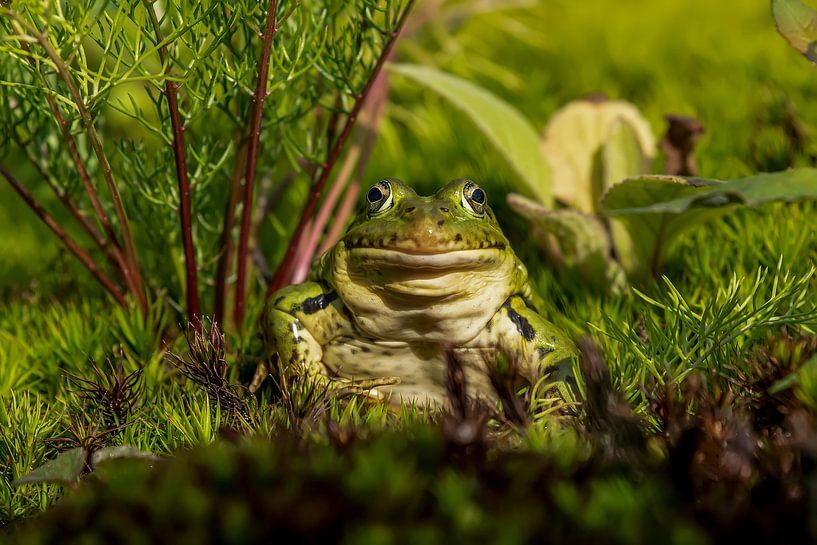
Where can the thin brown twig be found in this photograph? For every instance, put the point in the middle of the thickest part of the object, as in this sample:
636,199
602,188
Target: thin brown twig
96,144
283,274
66,239
270,30
268,199
185,213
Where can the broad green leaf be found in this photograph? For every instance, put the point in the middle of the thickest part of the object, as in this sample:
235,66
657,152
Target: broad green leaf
655,210
507,129
112,463
642,240
788,186
64,469
119,452
592,145
581,236
798,24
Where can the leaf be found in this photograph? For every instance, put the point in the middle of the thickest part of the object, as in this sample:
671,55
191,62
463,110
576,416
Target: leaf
115,463
64,469
642,240
583,137
582,236
655,210
789,381
622,155
788,186
507,129
120,452
797,23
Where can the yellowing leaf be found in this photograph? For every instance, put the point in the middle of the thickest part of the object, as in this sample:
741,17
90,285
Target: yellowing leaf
502,124
582,237
655,210
592,145
798,24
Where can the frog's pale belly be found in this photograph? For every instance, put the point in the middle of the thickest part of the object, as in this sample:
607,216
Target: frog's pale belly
421,367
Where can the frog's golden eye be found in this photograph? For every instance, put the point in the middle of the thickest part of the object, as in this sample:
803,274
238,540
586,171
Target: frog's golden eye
474,199
379,198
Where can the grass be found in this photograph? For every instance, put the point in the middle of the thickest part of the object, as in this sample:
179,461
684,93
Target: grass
706,366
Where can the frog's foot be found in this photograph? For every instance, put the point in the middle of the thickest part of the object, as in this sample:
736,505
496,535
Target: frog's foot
369,388
338,386
261,373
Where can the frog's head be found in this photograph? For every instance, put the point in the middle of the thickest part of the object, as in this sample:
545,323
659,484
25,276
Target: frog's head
435,268
395,221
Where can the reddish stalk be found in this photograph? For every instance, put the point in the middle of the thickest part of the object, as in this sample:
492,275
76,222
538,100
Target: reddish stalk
371,122
185,213
270,30
66,239
226,241
69,205
304,257
284,272
62,69
351,163
111,244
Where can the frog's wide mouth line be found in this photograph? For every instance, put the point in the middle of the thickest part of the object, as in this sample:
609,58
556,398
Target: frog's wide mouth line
450,259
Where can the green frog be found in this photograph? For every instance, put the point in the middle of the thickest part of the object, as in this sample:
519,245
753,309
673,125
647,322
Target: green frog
415,279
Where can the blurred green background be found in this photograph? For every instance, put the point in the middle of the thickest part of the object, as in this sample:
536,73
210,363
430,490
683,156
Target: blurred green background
721,62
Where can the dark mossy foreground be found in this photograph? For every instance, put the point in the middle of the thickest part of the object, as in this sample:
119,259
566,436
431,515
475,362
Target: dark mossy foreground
741,470
390,487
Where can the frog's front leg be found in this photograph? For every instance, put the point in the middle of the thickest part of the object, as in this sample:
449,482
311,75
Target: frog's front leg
299,320
535,345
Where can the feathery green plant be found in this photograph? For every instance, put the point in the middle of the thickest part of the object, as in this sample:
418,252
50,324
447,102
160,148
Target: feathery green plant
103,98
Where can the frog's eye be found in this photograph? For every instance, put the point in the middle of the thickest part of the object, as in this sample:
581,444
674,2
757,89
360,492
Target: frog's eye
474,199
379,198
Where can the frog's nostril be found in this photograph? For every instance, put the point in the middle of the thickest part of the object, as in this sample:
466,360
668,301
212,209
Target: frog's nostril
443,209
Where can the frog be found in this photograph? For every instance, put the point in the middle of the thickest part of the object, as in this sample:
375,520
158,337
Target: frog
414,281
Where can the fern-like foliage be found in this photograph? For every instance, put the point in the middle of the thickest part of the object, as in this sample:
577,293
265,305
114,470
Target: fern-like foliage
87,85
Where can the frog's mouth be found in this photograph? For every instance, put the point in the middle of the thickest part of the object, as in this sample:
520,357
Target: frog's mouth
440,260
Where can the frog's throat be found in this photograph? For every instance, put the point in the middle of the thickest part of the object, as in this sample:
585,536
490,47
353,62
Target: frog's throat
422,263
425,297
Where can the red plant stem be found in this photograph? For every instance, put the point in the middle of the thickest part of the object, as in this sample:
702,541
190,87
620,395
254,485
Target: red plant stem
226,241
282,275
66,201
130,259
111,244
351,161
373,111
345,209
185,213
270,30
66,239
304,257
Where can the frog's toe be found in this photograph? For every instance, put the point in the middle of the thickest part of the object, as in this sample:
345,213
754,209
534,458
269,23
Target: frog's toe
261,373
